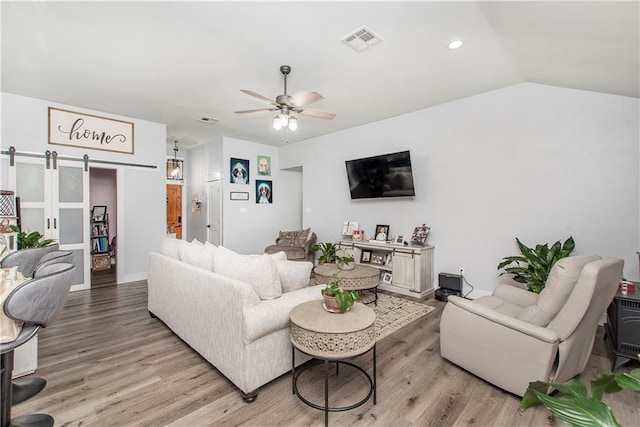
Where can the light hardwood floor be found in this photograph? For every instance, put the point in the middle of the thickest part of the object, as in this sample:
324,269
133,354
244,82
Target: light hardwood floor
108,363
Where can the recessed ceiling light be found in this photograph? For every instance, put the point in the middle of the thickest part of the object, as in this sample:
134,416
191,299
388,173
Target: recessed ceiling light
455,44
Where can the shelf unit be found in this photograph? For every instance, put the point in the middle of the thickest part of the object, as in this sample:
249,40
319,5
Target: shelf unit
411,267
100,255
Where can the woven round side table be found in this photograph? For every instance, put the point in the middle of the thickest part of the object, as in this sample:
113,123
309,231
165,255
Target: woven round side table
332,337
361,278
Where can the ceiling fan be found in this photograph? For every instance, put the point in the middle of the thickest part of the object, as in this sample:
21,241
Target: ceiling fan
288,104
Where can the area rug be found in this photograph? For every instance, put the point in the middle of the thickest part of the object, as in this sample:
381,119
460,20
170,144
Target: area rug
392,313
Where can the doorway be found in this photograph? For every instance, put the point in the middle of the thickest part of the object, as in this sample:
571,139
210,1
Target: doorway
174,210
103,196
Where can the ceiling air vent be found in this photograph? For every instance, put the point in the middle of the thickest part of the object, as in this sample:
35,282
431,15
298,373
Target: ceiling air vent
209,120
361,39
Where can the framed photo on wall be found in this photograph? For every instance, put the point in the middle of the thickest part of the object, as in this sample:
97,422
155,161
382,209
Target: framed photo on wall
239,171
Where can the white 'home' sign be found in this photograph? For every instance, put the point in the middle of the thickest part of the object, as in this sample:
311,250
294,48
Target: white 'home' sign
87,131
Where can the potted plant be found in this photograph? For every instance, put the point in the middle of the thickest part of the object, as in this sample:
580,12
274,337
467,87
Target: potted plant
534,265
574,407
30,240
327,250
345,260
336,299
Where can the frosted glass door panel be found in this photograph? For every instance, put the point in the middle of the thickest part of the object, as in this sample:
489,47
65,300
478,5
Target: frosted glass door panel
71,226
78,260
30,182
32,219
70,184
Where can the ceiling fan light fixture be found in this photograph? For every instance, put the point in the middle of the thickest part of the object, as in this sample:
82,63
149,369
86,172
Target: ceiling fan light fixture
277,123
293,123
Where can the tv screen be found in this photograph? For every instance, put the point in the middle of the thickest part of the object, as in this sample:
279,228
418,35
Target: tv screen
388,175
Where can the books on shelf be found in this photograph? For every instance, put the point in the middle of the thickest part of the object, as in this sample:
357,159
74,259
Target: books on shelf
100,244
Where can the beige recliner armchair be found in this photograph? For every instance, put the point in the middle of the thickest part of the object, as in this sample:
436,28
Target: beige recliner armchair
515,336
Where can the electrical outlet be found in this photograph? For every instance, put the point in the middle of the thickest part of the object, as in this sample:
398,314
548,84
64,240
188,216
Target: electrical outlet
461,271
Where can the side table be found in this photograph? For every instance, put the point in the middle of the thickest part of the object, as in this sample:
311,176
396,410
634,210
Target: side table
332,337
361,278
623,326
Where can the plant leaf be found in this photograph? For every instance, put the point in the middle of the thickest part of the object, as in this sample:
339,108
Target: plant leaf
579,411
605,382
630,381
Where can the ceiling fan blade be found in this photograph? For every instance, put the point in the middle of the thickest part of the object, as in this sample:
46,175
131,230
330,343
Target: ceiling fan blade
307,99
259,110
258,96
316,113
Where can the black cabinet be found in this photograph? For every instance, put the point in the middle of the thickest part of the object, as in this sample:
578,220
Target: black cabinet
623,326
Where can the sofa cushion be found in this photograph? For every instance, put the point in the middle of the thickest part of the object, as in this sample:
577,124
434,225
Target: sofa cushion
560,283
294,274
259,271
294,238
197,254
171,247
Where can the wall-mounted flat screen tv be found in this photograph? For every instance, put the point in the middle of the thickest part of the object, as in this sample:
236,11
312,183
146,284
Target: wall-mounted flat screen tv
387,175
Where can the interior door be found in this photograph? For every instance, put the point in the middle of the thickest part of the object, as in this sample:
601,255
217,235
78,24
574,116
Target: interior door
174,209
54,200
214,216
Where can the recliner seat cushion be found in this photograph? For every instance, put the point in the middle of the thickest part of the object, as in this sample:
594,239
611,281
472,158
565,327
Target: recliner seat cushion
560,283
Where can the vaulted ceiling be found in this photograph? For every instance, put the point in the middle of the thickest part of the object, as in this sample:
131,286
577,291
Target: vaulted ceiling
176,62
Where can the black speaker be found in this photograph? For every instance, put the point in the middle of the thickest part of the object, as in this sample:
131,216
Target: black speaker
450,284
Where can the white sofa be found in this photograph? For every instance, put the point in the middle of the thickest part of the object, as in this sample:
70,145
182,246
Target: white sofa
211,298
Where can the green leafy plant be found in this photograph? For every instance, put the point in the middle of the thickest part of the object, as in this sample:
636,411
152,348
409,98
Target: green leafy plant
327,252
30,240
534,265
345,299
574,406
344,260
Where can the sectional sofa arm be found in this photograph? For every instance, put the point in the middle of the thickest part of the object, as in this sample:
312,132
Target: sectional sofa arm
521,326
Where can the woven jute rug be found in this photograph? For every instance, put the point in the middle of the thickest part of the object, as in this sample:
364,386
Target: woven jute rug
392,313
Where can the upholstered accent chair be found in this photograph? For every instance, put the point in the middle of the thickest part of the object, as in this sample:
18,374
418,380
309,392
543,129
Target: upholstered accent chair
35,303
27,259
296,244
514,336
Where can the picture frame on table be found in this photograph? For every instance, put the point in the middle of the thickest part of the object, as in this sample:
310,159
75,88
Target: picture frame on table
387,278
420,234
377,258
365,257
399,240
382,232
357,235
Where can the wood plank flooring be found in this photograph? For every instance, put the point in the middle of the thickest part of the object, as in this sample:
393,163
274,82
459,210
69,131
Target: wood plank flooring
108,363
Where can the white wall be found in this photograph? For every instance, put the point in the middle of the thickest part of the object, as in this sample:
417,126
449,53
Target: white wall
141,192
529,161
249,227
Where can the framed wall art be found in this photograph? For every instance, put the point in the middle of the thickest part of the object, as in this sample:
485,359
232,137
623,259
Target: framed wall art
238,171
264,165
89,131
239,195
264,192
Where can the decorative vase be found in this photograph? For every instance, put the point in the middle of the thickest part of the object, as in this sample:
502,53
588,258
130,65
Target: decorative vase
346,267
331,305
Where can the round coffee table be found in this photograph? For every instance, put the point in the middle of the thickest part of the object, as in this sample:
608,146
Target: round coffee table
332,337
361,278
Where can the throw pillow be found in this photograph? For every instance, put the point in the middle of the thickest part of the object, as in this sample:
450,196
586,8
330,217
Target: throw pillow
294,238
560,284
259,271
294,274
209,254
171,247
197,242
194,254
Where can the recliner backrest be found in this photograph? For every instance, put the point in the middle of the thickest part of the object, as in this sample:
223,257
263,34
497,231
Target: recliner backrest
594,291
27,259
560,283
40,300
